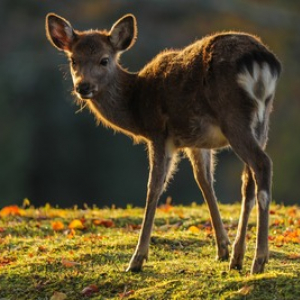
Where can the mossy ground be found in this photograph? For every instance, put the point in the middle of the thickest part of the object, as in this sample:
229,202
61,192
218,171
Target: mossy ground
43,256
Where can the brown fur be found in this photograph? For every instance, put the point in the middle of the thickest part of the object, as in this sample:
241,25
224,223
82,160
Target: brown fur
191,99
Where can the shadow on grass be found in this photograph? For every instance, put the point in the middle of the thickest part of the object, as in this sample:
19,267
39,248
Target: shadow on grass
41,282
278,287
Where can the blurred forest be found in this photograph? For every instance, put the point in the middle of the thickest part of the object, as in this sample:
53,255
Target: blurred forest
50,153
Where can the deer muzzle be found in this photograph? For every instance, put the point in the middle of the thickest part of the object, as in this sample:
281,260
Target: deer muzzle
85,90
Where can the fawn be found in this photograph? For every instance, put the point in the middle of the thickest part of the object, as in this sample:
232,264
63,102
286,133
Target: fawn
215,93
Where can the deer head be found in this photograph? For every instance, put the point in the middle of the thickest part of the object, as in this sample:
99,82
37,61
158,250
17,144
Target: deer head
94,54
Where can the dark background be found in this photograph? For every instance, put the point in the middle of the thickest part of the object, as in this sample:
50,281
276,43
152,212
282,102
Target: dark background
48,153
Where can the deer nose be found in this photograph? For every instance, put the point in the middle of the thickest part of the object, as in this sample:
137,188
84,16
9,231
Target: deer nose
84,88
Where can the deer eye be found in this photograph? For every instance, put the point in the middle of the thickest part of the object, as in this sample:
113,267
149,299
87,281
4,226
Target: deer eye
104,61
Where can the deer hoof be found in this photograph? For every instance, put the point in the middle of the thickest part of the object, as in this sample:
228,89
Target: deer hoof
134,269
258,265
136,263
223,252
236,264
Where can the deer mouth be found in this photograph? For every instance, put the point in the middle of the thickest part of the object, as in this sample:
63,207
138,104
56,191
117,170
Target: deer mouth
85,91
86,96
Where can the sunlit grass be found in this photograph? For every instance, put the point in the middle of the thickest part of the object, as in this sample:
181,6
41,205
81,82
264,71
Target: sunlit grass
44,254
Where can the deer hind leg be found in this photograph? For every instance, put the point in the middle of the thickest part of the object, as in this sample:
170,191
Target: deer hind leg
248,149
203,167
247,135
248,201
161,159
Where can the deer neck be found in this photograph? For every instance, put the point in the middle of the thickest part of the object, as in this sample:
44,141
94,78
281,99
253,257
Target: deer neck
115,106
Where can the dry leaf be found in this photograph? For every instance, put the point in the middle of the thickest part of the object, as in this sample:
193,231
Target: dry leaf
71,234
105,223
68,263
245,290
57,225
42,249
26,203
58,296
76,224
166,207
126,294
89,290
294,256
12,210
193,229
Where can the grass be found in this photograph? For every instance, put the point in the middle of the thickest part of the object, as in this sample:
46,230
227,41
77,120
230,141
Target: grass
48,253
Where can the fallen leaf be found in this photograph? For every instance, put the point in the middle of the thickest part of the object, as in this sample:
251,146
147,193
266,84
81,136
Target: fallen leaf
5,261
245,290
68,263
105,223
26,203
42,249
57,225
71,234
12,210
168,227
193,229
126,294
292,211
294,256
134,227
76,224
89,290
166,207
58,296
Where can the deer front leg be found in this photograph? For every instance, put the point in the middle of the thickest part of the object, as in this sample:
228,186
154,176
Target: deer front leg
248,201
160,157
203,167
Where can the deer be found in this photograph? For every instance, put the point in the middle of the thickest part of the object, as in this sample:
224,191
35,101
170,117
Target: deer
216,93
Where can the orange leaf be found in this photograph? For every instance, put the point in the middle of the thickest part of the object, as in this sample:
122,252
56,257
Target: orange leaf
166,207
126,294
245,290
76,224
292,211
193,229
68,263
42,249
71,234
57,225
12,210
89,290
294,256
134,227
105,223
5,261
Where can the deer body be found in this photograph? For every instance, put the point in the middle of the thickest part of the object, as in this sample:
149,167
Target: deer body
214,93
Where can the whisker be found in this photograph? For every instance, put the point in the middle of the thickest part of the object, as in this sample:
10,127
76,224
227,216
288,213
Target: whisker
82,107
64,68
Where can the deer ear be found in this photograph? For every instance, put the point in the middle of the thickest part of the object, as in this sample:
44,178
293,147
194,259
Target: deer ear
123,33
59,32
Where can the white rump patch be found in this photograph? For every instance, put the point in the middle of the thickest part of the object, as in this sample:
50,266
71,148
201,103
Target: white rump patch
260,85
263,199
